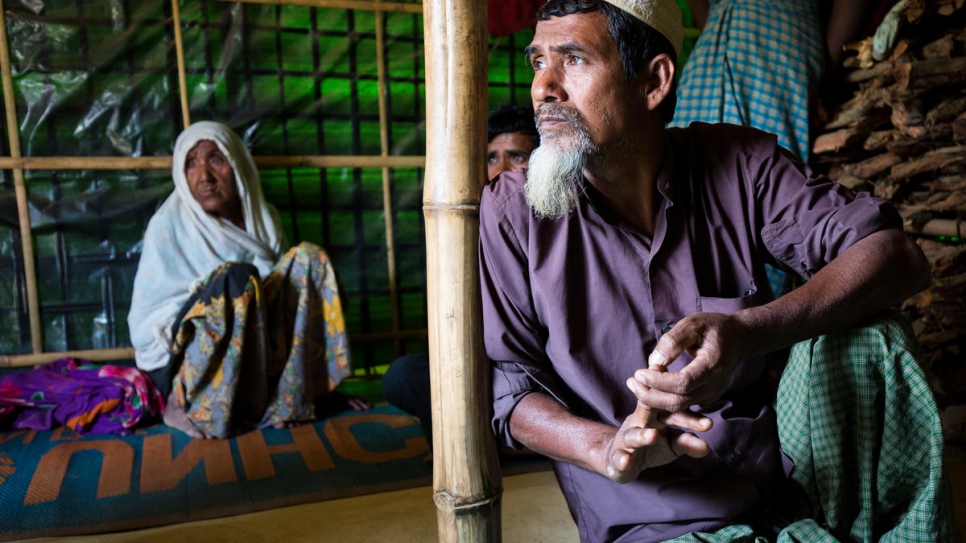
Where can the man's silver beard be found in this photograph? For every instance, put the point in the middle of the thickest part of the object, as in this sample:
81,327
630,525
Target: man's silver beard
555,170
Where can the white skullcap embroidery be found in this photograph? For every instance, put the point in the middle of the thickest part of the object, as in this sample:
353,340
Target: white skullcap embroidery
661,15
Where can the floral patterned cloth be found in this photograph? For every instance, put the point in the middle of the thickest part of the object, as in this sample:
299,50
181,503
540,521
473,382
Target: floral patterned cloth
250,353
88,398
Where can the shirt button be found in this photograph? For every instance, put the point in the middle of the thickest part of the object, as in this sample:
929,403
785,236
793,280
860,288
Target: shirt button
666,328
736,457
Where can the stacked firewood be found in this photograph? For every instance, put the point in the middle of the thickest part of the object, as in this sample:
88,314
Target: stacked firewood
902,135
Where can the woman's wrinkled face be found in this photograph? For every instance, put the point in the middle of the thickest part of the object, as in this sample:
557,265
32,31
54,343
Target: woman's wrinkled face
212,180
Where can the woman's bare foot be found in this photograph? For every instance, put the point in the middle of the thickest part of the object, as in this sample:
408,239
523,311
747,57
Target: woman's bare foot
175,418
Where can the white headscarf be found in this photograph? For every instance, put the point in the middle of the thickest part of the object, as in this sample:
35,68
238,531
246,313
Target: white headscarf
661,15
183,243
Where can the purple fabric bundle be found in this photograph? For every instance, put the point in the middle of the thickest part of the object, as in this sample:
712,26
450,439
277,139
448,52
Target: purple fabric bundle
88,398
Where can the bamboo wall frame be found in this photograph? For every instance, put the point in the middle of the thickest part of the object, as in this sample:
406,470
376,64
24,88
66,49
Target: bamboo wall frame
467,479
18,164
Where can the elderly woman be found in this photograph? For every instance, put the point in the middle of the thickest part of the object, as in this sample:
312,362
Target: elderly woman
234,337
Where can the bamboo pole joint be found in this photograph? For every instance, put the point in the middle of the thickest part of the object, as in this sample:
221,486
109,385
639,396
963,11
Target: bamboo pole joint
450,503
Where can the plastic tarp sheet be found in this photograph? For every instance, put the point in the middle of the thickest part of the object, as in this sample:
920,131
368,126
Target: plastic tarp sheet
99,78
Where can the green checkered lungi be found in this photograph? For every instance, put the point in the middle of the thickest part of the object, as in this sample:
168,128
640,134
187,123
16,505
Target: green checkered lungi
857,417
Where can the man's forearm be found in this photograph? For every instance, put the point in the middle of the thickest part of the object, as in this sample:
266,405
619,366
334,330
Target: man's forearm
877,272
545,426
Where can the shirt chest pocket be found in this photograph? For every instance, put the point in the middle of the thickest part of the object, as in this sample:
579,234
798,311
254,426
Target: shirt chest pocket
752,297
749,371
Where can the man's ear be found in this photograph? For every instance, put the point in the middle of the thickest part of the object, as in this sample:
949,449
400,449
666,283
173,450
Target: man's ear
657,79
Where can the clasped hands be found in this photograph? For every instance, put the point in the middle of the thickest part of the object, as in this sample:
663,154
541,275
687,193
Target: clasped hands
660,428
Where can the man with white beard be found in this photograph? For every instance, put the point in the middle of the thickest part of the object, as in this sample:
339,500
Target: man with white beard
628,331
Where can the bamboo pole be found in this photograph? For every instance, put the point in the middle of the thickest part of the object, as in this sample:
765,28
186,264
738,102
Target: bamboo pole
127,353
182,68
386,185
362,5
937,227
347,161
466,473
86,163
164,162
20,189
95,355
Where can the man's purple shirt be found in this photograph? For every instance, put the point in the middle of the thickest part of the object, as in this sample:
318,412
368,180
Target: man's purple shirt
573,307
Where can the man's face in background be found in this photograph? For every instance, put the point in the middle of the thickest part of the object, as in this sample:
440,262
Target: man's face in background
509,152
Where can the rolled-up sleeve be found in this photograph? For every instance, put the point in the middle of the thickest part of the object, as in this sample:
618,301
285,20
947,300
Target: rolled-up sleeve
514,339
809,219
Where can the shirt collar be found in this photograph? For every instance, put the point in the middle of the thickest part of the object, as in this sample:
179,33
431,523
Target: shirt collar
665,174
664,182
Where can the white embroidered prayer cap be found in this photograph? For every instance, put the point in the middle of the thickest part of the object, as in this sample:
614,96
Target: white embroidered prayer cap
661,15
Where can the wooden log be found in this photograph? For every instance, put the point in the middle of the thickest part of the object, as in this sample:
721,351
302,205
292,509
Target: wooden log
466,471
931,161
887,188
941,48
930,74
941,202
951,260
852,135
949,182
911,148
834,171
873,166
877,140
946,110
937,227
918,140
949,265
959,128
833,141
948,7
877,70
919,197
954,283
860,107
944,201
944,258
907,113
855,184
